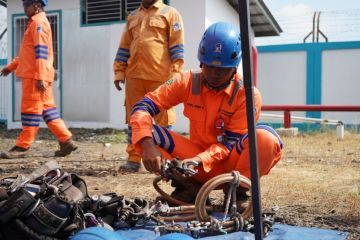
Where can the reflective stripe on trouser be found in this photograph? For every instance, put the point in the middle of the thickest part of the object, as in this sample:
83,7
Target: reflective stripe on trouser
135,90
34,106
269,152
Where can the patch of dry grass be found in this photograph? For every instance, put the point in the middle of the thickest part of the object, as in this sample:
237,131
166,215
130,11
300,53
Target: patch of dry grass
316,183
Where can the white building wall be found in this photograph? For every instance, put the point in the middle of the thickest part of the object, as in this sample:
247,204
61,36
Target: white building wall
282,79
116,98
217,11
12,8
86,76
5,85
340,83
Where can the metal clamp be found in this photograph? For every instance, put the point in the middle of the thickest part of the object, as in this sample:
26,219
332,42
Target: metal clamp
184,167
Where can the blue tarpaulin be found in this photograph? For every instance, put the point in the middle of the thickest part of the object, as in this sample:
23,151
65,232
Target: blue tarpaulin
280,232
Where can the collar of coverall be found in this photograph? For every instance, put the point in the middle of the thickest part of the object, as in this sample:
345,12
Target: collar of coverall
157,4
38,15
227,88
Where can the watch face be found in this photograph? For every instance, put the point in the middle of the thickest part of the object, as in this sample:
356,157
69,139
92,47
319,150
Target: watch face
219,124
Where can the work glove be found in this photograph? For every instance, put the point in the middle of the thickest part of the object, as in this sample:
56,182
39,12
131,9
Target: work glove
117,84
40,86
4,72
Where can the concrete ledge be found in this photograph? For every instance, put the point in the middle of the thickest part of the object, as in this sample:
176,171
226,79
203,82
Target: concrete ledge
287,132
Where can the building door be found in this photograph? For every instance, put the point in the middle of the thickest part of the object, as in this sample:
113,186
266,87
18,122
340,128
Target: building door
20,23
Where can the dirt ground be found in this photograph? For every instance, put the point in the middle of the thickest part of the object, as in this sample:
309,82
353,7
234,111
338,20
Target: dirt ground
316,184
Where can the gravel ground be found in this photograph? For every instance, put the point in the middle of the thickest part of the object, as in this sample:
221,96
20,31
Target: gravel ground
316,184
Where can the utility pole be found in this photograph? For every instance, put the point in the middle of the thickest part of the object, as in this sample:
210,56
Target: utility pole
244,18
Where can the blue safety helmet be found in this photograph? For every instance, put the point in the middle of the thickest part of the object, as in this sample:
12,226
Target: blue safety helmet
43,2
220,46
97,233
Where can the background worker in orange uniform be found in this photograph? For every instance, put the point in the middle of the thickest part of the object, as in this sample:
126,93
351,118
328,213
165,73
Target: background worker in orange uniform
214,102
34,65
151,50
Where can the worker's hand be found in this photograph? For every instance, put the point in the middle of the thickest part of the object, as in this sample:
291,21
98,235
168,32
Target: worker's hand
40,86
117,84
151,156
4,72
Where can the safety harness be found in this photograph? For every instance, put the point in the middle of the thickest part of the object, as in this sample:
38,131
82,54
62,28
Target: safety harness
43,205
50,204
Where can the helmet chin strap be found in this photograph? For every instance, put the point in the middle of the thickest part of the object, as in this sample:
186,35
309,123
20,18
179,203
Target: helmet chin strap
207,84
219,88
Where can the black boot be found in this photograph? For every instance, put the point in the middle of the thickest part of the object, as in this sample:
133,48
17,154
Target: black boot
66,148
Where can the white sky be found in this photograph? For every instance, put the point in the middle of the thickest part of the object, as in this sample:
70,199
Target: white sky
339,20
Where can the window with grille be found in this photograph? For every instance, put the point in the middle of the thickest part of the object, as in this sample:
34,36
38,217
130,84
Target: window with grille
107,11
3,3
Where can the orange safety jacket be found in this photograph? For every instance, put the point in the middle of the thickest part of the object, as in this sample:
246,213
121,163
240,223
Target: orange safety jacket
35,59
152,46
217,118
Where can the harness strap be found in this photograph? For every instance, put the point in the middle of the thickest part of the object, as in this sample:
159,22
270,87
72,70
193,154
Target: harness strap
16,205
196,84
235,91
30,233
44,221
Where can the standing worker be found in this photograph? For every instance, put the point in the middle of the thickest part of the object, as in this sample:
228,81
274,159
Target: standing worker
215,103
151,51
34,65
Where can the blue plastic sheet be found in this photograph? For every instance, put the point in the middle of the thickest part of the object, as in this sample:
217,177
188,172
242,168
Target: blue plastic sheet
280,232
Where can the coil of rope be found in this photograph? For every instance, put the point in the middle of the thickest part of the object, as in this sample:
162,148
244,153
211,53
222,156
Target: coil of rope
212,184
201,210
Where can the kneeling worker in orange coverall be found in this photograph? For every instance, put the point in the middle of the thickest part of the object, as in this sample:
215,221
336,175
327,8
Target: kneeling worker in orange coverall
34,65
214,102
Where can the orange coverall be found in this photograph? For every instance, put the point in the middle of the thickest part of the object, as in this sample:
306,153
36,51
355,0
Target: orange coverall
218,126
35,62
150,51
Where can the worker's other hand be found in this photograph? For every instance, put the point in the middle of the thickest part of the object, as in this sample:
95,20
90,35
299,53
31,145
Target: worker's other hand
189,162
4,72
40,86
151,156
117,84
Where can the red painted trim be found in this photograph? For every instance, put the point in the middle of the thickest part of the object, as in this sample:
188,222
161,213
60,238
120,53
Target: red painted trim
320,108
287,119
255,63
300,108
